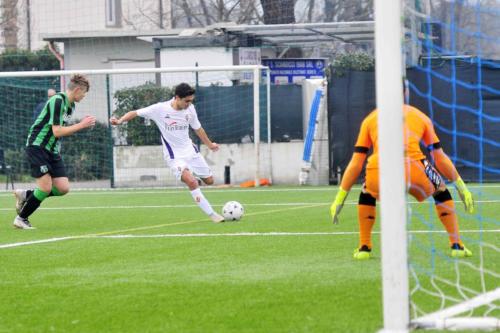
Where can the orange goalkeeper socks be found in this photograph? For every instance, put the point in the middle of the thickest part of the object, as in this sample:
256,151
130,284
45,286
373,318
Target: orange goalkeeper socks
366,220
448,216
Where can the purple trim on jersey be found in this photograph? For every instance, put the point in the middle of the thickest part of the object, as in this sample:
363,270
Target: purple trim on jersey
170,151
196,149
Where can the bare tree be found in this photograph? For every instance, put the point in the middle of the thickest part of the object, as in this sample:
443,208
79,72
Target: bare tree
199,13
278,11
353,10
193,13
467,27
310,11
8,23
206,13
146,14
250,12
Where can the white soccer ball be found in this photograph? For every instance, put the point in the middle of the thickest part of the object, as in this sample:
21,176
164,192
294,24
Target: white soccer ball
232,211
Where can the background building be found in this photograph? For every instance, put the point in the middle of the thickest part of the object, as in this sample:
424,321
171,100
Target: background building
24,22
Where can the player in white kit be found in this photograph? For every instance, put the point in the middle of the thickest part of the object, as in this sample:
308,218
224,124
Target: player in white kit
173,118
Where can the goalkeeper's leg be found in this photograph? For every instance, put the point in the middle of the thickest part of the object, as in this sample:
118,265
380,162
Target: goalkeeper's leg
424,182
445,209
366,218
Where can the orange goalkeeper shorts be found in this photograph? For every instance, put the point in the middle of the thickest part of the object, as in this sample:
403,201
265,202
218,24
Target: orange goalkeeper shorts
422,180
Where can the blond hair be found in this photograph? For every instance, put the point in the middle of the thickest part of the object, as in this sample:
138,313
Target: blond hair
78,80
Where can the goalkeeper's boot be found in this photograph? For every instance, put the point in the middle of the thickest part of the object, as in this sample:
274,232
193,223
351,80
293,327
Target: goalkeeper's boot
21,196
216,218
21,223
362,253
460,251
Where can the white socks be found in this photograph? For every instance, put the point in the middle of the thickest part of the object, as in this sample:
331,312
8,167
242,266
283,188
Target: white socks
202,202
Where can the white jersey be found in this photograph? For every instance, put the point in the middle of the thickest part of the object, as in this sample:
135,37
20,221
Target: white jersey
174,128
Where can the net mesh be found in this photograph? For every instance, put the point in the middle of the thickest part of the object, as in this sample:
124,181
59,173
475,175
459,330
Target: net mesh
453,51
131,155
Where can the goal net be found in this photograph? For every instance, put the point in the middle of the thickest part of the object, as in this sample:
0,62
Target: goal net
231,103
451,52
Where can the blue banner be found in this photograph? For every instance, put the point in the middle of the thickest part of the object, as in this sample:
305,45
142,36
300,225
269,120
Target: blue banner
286,71
311,129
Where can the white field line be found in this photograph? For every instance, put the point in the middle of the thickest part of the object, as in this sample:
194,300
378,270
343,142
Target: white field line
41,241
238,234
277,233
293,204
181,190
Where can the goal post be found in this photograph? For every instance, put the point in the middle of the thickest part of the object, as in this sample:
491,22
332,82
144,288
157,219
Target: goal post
389,98
233,104
453,79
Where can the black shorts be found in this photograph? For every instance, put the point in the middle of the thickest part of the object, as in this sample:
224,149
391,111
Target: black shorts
42,161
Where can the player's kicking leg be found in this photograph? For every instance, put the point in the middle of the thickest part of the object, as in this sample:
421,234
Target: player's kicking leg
202,202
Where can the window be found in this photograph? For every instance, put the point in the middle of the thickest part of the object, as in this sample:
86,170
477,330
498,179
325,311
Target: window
113,13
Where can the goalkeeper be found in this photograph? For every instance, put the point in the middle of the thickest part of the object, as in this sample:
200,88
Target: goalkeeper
422,179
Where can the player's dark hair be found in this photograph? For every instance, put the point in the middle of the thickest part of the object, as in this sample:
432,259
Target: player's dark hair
184,90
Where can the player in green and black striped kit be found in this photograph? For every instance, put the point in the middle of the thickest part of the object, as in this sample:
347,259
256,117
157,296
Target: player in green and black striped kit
42,149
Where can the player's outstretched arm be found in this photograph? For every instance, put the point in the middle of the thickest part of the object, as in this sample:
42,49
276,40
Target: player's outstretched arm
59,131
444,164
352,173
126,117
200,132
446,168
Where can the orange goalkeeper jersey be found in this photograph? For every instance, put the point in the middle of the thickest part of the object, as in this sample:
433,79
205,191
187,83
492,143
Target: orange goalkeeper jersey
417,128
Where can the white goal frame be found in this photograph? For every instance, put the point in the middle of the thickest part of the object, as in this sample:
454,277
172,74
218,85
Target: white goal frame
389,95
394,234
257,77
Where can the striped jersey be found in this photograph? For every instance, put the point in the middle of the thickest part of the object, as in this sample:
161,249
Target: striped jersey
174,128
56,111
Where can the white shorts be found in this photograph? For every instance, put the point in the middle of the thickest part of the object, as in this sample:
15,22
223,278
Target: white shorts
196,164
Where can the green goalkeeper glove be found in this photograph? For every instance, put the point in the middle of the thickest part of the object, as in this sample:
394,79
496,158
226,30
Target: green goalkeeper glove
337,205
465,195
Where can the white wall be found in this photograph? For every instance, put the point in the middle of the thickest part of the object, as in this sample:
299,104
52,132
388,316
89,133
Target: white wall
141,166
107,53
204,56
55,16
286,158
132,163
63,16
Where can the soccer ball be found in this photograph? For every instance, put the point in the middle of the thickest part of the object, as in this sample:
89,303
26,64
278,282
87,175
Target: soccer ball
232,211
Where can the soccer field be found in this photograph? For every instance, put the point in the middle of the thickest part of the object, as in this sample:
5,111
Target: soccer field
151,261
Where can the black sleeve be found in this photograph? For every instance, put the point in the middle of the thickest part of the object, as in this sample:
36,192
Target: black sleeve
360,149
434,146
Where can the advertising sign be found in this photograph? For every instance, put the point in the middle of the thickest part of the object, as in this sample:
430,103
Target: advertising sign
286,71
248,56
